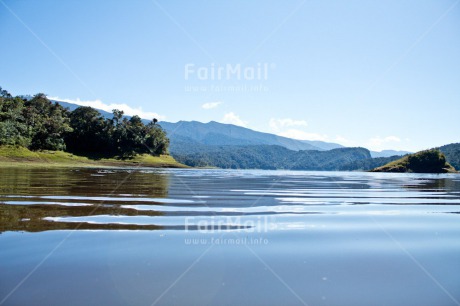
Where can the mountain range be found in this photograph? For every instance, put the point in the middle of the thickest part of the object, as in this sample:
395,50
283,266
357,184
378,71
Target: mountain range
215,133
186,134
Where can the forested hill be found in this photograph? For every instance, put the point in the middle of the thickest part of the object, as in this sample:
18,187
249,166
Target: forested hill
277,157
452,153
269,157
428,161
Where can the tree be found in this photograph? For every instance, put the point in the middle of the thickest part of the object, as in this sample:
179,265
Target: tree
47,123
91,132
429,161
131,137
156,139
13,129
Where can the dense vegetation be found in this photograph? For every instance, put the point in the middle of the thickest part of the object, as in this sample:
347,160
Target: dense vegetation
276,157
452,153
39,124
429,161
267,157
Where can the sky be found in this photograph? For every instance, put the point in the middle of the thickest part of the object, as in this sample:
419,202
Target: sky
377,74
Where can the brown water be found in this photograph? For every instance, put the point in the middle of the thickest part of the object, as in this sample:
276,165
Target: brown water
218,237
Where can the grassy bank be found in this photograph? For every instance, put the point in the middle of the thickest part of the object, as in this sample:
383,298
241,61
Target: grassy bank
11,156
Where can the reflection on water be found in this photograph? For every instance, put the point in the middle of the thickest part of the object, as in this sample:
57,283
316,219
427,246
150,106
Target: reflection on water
30,197
88,182
162,237
40,200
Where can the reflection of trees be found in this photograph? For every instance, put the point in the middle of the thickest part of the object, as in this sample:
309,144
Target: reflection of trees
28,185
435,184
31,217
82,182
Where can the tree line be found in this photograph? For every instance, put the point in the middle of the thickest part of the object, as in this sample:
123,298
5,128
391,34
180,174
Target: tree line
268,157
39,124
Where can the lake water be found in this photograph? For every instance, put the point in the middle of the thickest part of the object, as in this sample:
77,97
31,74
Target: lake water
218,237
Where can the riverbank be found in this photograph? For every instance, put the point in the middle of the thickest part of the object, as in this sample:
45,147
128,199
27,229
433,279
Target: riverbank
11,156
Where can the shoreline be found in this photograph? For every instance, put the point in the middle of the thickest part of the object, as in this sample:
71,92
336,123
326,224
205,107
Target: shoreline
19,157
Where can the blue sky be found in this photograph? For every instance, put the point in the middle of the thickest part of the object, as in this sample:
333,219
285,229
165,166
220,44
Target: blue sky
379,74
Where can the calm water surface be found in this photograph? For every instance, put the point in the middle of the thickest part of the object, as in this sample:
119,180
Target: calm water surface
217,237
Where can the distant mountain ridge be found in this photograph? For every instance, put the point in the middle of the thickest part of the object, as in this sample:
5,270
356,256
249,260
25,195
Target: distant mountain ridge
190,134
215,133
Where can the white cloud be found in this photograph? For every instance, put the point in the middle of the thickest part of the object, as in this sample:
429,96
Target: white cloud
382,143
211,105
278,124
232,118
109,107
301,135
